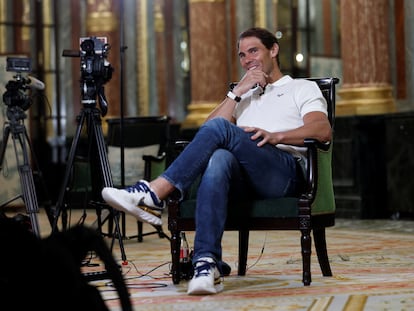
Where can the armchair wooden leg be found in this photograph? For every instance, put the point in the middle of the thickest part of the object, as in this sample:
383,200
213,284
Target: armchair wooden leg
175,256
140,226
243,249
321,251
306,243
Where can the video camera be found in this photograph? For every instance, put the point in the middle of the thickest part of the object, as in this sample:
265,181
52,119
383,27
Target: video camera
94,66
95,69
16,90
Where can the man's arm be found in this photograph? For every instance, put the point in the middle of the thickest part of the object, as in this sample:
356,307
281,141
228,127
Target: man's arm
224,110
316,125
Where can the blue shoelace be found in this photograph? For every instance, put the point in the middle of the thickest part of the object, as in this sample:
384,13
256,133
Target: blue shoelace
142,187
139,186
204,269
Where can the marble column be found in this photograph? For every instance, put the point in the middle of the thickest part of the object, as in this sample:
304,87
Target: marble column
366,87
208,53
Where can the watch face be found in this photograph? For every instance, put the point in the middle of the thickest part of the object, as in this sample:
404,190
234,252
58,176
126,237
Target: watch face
232,85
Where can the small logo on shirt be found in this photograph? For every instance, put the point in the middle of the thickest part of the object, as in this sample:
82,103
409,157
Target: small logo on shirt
280,95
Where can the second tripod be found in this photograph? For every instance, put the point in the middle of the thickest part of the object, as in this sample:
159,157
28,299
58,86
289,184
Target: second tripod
99,165
95,72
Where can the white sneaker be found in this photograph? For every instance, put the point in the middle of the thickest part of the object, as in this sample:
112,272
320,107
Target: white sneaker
206,279
138,200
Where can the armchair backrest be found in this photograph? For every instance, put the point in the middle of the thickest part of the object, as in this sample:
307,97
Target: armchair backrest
327,86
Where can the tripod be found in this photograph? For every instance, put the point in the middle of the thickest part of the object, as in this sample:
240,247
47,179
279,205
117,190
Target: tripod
91,116
21,142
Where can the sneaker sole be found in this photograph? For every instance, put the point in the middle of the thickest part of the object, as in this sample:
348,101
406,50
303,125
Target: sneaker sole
217,288
142,213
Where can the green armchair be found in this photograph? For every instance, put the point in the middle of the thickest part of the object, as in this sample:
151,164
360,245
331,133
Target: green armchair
313,210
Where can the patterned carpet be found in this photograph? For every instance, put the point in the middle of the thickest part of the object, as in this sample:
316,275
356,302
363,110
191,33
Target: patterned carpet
372,263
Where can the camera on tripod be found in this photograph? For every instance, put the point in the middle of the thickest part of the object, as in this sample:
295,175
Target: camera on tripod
16,90
94,65
17,100
95,70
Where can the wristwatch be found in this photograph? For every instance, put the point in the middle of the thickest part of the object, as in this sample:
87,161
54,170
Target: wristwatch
233,96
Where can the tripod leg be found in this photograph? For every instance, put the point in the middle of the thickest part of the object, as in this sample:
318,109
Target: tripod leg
106,173
60,203
26,181
39,173
28,189
6,135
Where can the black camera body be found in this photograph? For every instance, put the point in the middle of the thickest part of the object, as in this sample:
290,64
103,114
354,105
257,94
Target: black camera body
16,95
95,70
94,65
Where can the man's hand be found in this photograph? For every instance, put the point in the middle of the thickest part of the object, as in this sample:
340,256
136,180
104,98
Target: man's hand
316,125
253,76
266,136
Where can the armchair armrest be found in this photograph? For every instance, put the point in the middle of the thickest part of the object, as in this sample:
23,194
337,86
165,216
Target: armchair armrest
312,163
153,165
179,145
314,143
319,172
151,158
175,148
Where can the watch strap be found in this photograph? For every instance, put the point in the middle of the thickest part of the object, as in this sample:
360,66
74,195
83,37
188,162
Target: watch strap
233,96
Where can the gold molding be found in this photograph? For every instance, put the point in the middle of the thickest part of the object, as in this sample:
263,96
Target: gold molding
102,21
198,111
26,20
3,29
205,1
159,23
260,13
48,63
365,100
142,59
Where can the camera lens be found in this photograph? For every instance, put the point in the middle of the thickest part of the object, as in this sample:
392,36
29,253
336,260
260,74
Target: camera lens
87,46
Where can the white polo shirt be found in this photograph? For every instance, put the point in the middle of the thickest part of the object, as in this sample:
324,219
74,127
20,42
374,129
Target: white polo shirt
281,107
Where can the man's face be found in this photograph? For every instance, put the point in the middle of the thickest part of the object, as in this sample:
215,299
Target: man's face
254,55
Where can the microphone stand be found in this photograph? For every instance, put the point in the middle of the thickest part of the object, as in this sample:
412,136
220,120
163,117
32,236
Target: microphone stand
121,104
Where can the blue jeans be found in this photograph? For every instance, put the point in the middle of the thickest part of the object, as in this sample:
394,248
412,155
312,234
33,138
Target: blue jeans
229,163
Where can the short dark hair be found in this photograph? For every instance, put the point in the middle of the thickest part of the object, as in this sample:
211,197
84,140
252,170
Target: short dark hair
266,37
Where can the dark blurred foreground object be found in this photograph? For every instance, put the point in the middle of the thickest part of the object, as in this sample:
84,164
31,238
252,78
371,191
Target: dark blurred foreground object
45,274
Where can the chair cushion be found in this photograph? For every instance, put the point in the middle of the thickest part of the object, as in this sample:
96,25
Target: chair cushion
282,207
